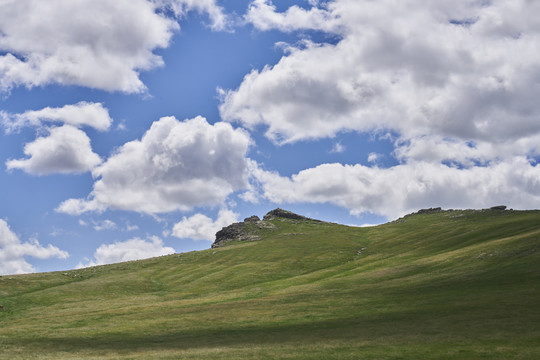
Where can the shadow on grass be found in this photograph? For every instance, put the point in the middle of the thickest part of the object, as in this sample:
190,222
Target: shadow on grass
225,337
351,333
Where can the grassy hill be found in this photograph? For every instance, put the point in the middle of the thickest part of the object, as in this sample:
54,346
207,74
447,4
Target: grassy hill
443,285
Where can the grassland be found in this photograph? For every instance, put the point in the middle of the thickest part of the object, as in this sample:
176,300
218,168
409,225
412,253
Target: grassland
448,285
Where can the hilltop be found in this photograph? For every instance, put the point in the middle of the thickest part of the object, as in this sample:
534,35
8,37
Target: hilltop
251,228
440,284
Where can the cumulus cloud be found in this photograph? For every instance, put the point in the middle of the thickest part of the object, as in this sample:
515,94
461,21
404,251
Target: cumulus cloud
398,190
99,44
81,114
201,227
456,82
64,150
464,71
13,252
262,14
175,166
133,249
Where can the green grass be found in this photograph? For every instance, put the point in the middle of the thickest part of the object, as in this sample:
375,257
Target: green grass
449,285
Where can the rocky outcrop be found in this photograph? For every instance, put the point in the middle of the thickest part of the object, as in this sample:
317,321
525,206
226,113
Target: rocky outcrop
429,211
250,228
499,207
284,214
231,232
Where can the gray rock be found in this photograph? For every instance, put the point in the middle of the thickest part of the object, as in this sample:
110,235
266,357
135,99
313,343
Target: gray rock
249,229
228,233
280,213
253,218
429,211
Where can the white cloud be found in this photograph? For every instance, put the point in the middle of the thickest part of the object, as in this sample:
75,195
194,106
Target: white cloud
373,157
64,150
338,148
457,82
130,227
107,224
405,188
219,20
466,71
104,225
93,43
201,227
465,153
133,249
79,115
250,196
175,166
262,14
13,252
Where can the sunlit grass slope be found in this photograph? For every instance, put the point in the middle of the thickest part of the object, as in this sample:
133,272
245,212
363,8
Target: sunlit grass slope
447,285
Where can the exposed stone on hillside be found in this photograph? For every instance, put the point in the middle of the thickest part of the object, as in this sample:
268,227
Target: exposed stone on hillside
280,213
429,211
499,207
249,229
253,218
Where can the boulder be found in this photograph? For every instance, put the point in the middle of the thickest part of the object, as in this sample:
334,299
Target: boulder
252,219
230,232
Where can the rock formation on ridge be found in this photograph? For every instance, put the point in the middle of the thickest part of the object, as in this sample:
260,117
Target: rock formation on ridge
249,229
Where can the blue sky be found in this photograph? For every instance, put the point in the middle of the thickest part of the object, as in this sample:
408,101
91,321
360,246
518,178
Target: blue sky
139,128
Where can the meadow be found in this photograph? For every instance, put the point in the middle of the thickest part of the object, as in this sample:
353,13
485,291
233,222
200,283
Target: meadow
460,284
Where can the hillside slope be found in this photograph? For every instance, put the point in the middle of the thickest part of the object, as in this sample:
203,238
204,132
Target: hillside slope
434,285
